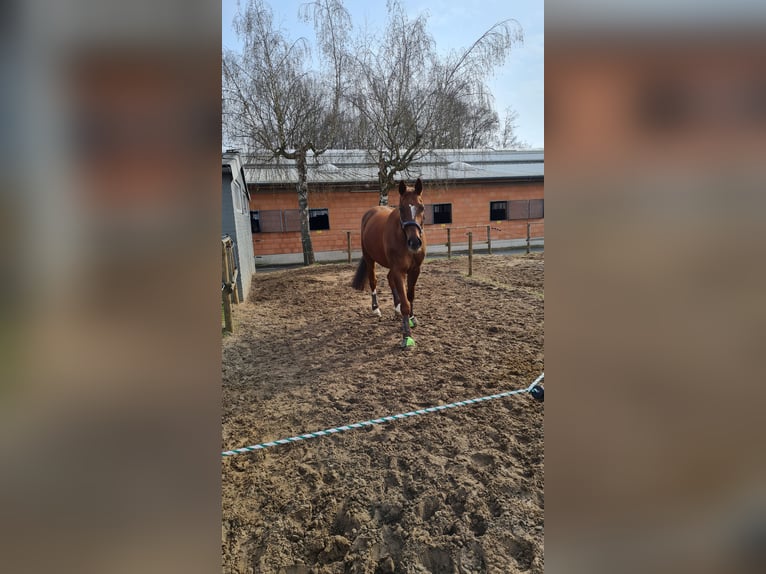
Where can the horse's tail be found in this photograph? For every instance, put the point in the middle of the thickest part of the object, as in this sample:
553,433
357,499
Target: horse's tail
359,277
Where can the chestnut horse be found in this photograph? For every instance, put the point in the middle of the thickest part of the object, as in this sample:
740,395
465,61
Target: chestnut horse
394,238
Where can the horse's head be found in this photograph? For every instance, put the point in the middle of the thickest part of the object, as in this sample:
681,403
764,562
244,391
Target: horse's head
411,210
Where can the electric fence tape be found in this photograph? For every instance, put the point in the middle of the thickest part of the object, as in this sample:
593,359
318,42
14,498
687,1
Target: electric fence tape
380,420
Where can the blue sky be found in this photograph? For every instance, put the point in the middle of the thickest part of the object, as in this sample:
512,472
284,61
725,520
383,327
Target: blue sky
454,24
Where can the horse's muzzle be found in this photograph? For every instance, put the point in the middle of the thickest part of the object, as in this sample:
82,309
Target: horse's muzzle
414,242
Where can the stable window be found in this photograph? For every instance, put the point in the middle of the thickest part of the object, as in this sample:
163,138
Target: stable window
255,222
518,209
498,210
319,219
442,213
291,220
270,220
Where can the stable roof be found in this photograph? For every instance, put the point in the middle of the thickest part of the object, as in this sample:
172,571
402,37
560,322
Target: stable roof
360,166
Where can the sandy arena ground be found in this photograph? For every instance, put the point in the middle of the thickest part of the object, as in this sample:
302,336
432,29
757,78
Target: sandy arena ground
459,491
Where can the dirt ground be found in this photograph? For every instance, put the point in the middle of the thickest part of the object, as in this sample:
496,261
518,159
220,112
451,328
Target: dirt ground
459,491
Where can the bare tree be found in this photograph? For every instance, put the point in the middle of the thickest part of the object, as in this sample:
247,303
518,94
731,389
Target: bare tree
507,138
465,123
403,90
273,102
390,92
332,25
393,94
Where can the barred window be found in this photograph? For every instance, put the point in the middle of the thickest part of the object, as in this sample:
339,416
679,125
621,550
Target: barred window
498,210
319,219
442,213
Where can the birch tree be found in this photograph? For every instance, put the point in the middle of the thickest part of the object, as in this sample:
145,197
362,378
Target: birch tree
274,102
403,89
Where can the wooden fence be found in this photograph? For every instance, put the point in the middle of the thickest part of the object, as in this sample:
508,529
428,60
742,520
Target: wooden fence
443,236
229,272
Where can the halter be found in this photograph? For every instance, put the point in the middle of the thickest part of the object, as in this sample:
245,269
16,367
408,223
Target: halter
415,223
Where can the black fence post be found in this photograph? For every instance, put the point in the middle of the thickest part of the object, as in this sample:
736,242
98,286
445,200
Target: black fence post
470,253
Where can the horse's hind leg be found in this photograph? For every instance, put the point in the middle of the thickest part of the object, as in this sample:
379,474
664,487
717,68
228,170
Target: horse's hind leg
373,285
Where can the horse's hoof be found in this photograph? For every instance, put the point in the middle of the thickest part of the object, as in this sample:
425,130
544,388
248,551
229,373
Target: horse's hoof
398,309
413,322
376,312
408,342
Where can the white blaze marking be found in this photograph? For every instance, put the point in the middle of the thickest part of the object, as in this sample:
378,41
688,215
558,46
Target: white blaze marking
413,209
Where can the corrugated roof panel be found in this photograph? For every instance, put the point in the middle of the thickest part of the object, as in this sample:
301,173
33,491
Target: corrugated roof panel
346,166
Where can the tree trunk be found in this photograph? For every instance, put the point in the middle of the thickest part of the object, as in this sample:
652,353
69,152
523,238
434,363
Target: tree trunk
384,181
383,194
303,207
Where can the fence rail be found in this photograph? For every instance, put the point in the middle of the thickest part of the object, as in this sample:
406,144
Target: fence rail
334,245
443,236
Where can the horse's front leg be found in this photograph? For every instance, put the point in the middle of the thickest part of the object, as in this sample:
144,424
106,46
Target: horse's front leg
396,281
412,278
395,294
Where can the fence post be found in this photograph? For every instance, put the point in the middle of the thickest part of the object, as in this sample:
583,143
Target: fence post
528,246
225,293
489,241
449,244
348,245
233,272
227,310
470,253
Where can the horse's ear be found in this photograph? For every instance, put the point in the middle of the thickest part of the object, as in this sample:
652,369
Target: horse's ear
418,187
402,188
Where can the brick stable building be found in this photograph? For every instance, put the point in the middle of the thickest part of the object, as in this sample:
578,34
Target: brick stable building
464,190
